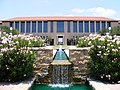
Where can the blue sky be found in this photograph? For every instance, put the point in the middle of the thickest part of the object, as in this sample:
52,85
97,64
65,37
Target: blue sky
17,8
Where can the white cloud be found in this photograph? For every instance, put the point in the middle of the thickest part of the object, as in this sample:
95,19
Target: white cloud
78,10
100,11
97,11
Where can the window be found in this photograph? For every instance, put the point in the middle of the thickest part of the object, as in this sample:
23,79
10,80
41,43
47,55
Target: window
86,26
28,27
68,26
39,26
74,26
60,26
108,25
80,26
97,26
92,26
51,26
103,25
17,25
33,26
45,26
12,24
22,27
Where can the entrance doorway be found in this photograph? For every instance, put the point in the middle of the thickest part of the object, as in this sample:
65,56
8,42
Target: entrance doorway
60,40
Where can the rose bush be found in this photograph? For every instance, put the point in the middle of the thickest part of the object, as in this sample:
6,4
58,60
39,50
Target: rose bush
16,56
104,55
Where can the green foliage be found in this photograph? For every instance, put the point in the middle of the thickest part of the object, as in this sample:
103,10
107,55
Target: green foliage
105,59
83,42
17,57
104,55
104,31
113,31
8,31
16,65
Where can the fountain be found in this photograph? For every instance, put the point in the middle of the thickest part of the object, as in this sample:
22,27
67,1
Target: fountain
61,70
60,74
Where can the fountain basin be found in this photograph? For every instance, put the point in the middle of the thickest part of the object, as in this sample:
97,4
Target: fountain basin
68,87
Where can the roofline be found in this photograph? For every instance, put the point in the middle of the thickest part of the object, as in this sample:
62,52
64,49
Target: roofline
69,18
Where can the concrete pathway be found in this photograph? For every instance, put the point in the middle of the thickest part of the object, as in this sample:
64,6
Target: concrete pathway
103,86
25,85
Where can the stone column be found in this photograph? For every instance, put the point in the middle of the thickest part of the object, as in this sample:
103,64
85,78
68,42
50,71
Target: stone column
30,26
65,33
95,27
25,26
42,26
83,27
37,27
106,24
78,26
89,26
100,25
54,31
49,27
14,24
71,26
19,26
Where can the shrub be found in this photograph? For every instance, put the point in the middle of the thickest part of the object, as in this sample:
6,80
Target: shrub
8,31
104,55
16,65
83,42
105,58
113,31
16,57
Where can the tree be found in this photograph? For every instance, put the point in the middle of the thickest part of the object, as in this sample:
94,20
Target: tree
113,31
8,31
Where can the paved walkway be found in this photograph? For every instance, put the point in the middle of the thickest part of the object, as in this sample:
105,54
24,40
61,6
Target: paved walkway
103,86
25,85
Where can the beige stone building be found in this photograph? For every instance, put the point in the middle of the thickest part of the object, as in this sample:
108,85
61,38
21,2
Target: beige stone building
60,28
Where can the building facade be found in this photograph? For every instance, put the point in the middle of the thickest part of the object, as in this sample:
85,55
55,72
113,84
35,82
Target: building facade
60,28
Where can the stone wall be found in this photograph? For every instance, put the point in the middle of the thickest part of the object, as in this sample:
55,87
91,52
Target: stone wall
78,57
42,63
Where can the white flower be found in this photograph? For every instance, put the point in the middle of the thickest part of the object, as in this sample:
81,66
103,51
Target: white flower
4,41
103,46
1,54
114,50
105,54
4,32
92,46
102,39
89,43
118,42
24,75
99,46
98,54
108,44
31,52
17,42
29,42
7,68
3,50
